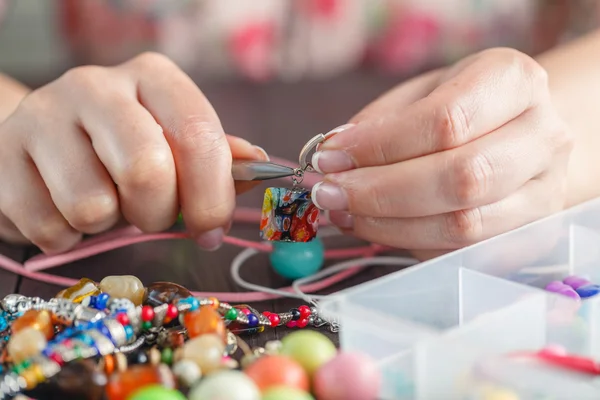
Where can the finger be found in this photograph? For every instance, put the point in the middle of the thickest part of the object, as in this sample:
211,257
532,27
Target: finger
29,206
200,149
79,185
478,173
457,229
470,104
241,149
9,231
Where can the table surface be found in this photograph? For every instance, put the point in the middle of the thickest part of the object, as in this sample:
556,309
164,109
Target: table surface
277,117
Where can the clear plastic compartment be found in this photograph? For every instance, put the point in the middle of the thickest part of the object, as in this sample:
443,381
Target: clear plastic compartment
430,324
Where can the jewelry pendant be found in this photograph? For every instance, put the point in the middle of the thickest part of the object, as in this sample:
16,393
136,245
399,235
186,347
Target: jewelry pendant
289,214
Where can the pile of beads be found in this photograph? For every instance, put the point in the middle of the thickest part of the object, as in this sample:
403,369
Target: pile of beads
118,337
575,287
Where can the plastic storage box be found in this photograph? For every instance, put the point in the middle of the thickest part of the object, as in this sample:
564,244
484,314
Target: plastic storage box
443,329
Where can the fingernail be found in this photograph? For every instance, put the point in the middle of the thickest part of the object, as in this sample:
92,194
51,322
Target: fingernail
337,130
330,161
327,196
262,153
211,240
341,219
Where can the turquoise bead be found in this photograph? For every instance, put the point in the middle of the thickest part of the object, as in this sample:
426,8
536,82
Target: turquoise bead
294,260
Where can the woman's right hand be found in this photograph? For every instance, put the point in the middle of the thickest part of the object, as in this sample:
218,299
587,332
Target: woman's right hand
138,141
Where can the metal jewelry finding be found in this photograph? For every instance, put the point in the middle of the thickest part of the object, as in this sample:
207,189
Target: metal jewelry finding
304,157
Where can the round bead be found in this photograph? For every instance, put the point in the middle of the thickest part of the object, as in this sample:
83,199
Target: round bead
147,313
576,281
204,320
166,356
226,385
206,351
360,374
25,344
187,372
124,287
310,348
295,314
101,301
122,318
286,393
302,323
588,291
40,320
271,371
128,331
231,314
252,320
214,302
304,311
157,392
275,320
172,312
146,325
291,324
297,260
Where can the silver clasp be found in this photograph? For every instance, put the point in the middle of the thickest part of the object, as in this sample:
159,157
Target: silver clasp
306,151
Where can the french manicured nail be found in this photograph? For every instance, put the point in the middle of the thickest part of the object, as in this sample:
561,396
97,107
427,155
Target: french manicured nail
327,196
341,219
337,130
330,161
211,240
262,153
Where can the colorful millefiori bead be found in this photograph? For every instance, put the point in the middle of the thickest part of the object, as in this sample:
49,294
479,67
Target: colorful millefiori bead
288,215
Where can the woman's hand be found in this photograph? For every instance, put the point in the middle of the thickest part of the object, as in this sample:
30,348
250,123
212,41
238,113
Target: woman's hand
138,141
450,158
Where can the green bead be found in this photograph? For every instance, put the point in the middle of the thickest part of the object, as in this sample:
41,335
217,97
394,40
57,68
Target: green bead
231,314
285,393
297,260
310,349
146,325
156,392
167,356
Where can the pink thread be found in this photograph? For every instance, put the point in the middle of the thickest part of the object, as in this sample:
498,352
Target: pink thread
131,235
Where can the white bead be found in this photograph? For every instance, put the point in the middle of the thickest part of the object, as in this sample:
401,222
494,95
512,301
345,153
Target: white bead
187,372
225,385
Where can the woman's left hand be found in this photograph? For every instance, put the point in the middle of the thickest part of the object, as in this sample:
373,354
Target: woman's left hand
449,158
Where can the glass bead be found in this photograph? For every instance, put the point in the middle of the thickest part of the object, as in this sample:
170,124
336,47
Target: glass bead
309,348
272,371
206,351
164,293
80,291
288,215
187,372
157,392
297,260
204,320
146,325
252,320
37,319
226,385
287,393
167,356
123,384
124,287
26,344
295,314
275,320
305,311
101,301
231,314
360,374
147,313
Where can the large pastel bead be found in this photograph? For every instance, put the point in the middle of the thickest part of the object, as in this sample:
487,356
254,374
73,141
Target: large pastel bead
348,376
310,349
25,344
206,351
123,384
205,320
226,385
576,281
124,286
159,293
81,290
38,319
287,393
270,371
187,372
157,392
297,260
588,291
288,215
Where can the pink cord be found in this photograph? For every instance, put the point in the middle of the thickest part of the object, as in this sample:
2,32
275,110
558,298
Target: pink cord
131,235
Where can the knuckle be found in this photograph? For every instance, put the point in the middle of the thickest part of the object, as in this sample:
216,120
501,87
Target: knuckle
464,227
84,77
205,218
452,126
471,177
94,214
151,169
204,139
51,233
152,59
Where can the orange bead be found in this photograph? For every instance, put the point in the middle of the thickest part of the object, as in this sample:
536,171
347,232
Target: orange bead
270,371
109,364
214,302
204,320
121,385
40,320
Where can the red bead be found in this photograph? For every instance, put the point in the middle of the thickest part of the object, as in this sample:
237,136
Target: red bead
147,313
274,318
245,311
266,313
304,311
57,359
291,324
123,319
172,312
302,322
